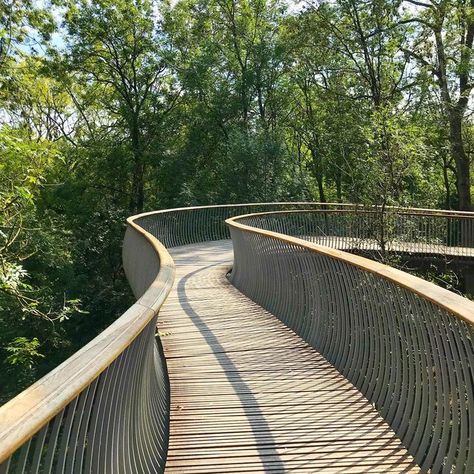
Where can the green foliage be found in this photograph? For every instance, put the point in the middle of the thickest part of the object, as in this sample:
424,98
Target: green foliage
112,106
23,352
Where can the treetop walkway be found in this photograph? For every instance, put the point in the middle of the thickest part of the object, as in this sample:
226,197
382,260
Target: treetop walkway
304,357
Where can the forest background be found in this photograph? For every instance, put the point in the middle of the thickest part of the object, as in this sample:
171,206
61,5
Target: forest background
111,107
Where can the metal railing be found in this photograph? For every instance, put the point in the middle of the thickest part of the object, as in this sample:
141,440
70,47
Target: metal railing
405,343
106,408
395,230
189,225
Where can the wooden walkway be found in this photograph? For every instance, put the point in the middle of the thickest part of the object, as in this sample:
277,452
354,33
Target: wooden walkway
248,395
411,248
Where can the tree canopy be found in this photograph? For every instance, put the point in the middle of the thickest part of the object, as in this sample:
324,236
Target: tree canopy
112,107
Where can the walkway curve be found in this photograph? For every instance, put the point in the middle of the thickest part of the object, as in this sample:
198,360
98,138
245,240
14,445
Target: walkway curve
107,408
248,394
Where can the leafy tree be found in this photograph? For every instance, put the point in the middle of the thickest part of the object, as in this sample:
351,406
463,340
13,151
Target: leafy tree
34,261
111,107
231,63
23,24
442,44
114,51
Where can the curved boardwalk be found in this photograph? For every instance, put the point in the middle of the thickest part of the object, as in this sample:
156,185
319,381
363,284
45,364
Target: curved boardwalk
249,395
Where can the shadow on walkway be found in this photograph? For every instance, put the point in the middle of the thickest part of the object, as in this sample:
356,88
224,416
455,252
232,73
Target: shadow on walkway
254,413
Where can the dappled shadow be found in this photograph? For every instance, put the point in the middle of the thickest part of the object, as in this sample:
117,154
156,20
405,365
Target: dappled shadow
254,396
256,418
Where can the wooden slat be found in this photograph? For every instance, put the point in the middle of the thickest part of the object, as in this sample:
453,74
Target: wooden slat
249,395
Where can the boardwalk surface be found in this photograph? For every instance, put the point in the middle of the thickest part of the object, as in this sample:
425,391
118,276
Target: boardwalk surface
398,247
248,395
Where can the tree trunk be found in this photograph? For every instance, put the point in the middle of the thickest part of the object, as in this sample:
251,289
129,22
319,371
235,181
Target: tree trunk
322,196
463,179
318,174
446,183
137,197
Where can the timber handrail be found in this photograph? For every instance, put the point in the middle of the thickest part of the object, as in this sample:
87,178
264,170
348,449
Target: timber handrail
33,408
65,418
461,307
324,206
405,343
366,209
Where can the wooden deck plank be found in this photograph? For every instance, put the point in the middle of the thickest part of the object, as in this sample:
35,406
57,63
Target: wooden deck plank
249,395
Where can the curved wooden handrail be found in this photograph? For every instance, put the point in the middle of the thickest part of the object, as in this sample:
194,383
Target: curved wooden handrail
46,405
344,208
404,342
323,205
28,412
48,401
458,305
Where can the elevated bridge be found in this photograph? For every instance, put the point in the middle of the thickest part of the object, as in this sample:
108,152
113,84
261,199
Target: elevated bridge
275,351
